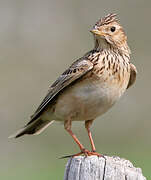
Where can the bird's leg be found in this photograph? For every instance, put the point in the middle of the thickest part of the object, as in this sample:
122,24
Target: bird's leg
87,126
67,126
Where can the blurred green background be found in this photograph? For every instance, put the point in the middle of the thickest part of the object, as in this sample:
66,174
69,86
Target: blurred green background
38,40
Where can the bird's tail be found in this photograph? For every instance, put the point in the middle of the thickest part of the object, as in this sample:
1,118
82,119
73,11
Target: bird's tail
34,128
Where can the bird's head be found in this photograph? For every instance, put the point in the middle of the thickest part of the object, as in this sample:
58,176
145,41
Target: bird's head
108,30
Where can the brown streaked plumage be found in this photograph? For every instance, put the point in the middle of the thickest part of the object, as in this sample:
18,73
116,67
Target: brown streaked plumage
106,20
90,86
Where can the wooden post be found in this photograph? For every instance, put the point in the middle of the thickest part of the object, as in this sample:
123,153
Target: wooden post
107,168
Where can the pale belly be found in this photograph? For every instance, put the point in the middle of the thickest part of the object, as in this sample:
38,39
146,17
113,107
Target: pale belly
86,100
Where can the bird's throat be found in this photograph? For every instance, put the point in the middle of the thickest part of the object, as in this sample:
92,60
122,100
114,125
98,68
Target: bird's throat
102,44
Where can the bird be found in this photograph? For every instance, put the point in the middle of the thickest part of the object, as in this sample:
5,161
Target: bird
90,86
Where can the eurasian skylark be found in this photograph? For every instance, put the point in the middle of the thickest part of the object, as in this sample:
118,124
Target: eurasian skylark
90,86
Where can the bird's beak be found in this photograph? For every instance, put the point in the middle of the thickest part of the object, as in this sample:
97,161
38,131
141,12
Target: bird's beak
97,32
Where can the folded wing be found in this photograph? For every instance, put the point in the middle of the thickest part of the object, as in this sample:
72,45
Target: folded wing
74,72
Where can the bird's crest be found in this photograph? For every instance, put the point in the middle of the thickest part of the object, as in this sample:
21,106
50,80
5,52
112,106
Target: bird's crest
107,20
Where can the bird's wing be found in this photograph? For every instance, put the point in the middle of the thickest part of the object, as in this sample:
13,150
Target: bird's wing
75,71
133,72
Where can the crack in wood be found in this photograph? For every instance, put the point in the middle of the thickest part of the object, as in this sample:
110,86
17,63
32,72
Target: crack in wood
104,169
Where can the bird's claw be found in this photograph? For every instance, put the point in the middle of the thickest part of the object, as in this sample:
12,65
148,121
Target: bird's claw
84,152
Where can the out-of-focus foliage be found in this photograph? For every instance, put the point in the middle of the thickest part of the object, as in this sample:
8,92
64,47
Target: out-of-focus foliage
38,40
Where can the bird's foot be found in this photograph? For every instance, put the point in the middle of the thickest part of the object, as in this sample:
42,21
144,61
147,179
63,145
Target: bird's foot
94,153
90,153
84,152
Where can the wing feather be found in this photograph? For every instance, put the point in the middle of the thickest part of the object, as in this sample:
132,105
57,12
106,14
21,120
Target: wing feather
133,73
74,72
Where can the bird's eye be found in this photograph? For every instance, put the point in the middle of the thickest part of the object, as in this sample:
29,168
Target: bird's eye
113,29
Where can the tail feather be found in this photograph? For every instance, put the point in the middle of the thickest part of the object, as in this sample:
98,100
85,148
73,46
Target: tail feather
17,134
35,128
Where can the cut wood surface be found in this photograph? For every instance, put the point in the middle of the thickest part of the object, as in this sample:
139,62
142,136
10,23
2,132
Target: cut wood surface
101,168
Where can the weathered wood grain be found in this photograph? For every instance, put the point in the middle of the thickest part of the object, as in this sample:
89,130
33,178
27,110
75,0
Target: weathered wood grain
107,168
